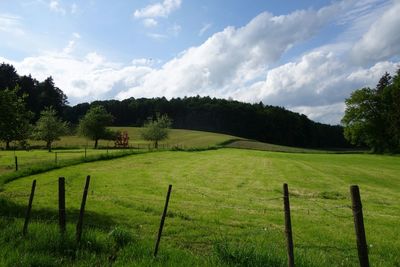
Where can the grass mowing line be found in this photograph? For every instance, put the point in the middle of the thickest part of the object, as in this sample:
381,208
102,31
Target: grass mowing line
44,167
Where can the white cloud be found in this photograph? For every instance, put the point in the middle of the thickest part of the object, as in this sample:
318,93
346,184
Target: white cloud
149,22
205,28
236,62
232,58
157,10
162,9
56,7
157,36
11,24
382,40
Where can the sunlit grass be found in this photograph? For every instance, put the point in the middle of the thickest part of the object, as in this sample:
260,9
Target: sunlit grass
226,207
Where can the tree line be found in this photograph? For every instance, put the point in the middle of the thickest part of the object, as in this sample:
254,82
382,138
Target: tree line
254,121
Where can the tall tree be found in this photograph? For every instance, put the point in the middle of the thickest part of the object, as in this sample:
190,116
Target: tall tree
371,117
49,127
8,76
50,95
14,118
93,124
156,130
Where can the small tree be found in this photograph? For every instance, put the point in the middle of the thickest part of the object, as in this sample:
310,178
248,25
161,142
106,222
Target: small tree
93,125
156,130
49,128
14,118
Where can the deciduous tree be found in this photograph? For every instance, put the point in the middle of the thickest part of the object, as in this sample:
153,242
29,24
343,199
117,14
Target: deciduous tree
156,130
93,124
49,127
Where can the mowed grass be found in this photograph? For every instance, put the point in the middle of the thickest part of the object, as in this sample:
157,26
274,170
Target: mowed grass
225,207
177,137
72,147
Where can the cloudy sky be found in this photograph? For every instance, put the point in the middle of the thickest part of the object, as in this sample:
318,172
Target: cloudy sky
307,56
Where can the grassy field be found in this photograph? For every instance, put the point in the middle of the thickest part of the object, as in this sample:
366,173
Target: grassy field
177,137
72,147
225,210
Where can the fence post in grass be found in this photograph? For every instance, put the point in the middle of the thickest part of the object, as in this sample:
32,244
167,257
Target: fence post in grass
82,211
16,163
28,211
61,204
162,221
359,226
288,226
55,157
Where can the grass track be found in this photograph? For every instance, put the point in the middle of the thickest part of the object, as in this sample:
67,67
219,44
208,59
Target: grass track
234,195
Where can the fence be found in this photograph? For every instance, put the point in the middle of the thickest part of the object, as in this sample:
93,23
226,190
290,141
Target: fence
356,207
16,162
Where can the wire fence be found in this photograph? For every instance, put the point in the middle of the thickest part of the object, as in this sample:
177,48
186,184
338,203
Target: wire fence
203,229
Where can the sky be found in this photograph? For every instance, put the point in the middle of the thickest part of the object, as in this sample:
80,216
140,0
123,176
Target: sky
307,56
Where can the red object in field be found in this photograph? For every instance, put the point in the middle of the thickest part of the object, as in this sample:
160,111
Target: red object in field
122,139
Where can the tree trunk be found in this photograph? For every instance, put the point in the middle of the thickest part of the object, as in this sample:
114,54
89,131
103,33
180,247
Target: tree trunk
156,144
7,145
48,146
95,143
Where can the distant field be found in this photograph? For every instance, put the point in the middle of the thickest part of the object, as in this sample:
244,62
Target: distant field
225,209
186,138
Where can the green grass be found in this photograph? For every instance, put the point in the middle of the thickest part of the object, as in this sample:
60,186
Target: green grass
256,145
177,137
225,208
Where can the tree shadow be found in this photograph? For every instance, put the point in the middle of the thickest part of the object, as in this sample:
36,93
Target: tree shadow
10,209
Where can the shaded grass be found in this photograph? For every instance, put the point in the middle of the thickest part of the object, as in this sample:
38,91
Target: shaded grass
41,167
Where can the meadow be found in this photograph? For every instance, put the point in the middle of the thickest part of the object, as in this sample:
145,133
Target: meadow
225,210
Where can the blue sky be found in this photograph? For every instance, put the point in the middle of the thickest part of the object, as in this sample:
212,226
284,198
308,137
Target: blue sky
304,55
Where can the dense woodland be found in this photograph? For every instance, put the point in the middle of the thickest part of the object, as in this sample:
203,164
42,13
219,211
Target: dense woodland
254,121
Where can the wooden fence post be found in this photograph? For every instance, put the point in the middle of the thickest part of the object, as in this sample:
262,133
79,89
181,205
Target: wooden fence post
28,211
82,211
162,221
16,163
288,226
61,204
359,226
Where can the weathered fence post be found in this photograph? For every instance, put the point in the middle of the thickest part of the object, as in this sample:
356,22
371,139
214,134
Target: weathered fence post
16,163
359,226
28,211
61,204
82,211
162,221
288,226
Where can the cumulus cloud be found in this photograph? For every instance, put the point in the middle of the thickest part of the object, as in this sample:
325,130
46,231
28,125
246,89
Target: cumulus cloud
237,62
149,13
233,57
162,9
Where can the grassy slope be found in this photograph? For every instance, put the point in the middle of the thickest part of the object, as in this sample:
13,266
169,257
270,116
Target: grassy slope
226,194
26,159
187,138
